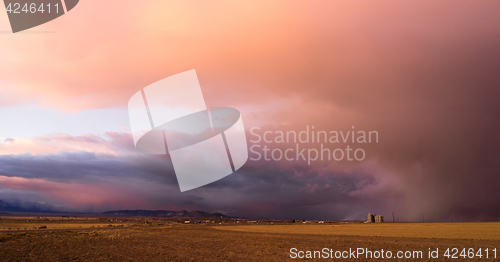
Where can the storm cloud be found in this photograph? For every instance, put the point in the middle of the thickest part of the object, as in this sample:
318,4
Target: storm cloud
423,74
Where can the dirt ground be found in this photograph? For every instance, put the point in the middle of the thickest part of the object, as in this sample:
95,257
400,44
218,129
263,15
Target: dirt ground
471,230
206,243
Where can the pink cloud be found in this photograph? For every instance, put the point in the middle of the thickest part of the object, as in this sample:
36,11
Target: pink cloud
245,53
112,143
74,194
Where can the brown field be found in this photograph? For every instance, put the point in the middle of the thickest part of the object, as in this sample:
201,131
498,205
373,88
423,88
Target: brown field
208,242
29,223
485,231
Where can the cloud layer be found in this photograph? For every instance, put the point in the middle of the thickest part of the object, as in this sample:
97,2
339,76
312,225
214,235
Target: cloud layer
423,74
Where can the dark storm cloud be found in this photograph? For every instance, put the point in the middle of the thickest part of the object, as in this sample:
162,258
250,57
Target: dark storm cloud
432,93
260,189
86,166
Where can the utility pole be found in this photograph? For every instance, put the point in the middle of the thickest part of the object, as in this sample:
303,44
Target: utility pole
393,220
423,219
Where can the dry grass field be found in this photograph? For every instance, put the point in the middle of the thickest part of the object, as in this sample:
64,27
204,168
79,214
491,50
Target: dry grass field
12,223
207,242
54,225
485,231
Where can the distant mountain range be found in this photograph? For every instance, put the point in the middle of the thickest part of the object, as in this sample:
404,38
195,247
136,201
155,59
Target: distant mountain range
164,213
19,206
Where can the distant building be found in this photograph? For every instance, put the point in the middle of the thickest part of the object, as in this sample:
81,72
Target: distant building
373,218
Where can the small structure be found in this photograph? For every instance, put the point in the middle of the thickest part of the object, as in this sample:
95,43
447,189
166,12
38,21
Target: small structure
371,218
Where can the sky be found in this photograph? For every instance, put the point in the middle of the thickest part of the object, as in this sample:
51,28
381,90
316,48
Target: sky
423,74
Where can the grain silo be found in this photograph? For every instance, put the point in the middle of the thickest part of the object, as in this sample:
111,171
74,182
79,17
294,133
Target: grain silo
371,218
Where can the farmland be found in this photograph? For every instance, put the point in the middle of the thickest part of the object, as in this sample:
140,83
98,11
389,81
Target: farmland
101,239
485,231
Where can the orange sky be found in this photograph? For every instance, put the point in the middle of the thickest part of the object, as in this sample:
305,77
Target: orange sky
252,52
